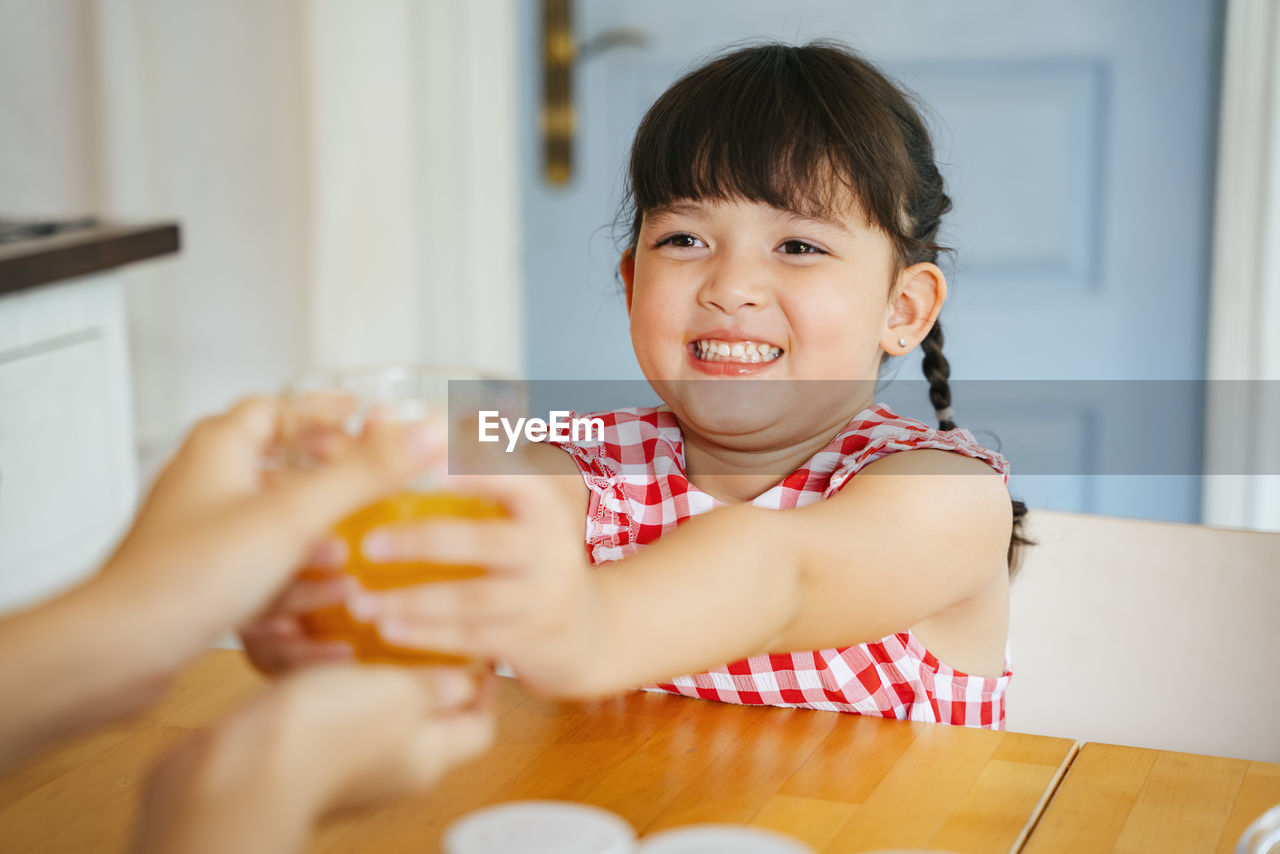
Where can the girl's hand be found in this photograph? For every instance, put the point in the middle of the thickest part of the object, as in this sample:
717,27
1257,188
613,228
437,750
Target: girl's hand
535,609
328,739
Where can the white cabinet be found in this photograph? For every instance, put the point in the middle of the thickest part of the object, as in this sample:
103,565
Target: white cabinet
68,471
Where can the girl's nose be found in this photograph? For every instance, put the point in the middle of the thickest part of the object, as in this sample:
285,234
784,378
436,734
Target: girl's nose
733,285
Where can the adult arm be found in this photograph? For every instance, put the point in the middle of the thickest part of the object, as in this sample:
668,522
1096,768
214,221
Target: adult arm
211,544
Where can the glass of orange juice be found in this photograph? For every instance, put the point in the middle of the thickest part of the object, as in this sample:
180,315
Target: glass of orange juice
325,407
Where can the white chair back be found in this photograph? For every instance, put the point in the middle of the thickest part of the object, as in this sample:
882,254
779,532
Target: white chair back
1149,634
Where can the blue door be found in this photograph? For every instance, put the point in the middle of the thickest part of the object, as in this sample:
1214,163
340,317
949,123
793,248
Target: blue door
1077,141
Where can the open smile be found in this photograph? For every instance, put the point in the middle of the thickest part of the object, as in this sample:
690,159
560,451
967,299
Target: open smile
742,352
733,358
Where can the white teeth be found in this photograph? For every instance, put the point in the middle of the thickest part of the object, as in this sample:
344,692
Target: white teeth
739,351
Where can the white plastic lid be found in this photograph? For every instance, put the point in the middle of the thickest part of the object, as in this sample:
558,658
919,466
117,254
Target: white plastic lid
540,827
721,839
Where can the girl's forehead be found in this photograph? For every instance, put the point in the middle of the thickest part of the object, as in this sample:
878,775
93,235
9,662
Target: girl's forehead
847,215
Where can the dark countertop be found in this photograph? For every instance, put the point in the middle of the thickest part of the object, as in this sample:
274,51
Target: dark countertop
78,252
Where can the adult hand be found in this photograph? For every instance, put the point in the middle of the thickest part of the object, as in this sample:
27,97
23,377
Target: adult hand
215,538
326,739
212,543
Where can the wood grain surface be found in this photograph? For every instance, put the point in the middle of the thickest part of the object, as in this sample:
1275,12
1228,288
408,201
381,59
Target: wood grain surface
842,783
1127,799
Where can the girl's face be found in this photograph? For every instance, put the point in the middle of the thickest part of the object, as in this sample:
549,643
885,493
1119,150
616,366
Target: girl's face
726,291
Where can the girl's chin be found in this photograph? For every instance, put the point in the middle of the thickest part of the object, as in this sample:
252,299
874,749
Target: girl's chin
728,409
767,411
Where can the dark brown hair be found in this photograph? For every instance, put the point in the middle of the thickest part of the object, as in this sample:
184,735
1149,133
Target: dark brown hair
803,129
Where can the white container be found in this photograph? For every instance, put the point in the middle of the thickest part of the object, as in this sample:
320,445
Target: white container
1263,835
540,827
721,839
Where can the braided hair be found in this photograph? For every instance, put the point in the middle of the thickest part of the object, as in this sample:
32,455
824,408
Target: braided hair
937,370
922,218
802,129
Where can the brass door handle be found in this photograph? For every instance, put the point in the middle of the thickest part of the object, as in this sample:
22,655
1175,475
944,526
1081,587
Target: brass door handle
560,52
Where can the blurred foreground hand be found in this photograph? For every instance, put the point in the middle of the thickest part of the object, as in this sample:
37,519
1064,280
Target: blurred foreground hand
325,739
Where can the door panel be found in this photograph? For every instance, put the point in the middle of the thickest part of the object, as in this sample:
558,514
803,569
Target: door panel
1077,144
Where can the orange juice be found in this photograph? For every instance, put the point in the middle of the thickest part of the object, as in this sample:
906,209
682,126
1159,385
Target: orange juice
337,623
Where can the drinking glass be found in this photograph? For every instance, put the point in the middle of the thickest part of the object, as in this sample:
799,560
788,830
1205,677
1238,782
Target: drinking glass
324,409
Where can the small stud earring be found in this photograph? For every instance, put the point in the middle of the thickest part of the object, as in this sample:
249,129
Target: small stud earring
902,342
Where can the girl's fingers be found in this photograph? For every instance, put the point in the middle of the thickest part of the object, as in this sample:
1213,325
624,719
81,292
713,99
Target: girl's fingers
487,598
495,544
480,639
523,494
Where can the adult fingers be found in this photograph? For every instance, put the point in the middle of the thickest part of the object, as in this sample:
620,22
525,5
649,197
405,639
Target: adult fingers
274,652
221,451
428,726
384,458
320,590
233,444
445,741
330,554
252,423
445,689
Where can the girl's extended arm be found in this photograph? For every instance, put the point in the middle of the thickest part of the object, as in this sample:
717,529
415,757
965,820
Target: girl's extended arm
911,535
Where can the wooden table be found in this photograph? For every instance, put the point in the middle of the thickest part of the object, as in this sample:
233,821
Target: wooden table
843,783
1123,799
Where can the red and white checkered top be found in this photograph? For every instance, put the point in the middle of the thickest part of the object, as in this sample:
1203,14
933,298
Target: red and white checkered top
639,491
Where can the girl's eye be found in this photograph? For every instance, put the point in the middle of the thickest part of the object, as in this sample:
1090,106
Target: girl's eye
799,247
683,241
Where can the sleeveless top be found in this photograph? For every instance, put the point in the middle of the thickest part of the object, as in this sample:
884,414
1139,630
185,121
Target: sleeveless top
639,491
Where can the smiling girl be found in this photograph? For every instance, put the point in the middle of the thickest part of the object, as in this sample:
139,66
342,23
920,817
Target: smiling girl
786,207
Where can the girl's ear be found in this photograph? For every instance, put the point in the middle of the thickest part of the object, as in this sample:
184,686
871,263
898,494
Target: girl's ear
627,269
916,299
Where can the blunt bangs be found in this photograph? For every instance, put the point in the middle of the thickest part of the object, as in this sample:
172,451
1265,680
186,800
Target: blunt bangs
808,130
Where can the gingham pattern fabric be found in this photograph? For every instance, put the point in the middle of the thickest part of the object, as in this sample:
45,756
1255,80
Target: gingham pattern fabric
638,491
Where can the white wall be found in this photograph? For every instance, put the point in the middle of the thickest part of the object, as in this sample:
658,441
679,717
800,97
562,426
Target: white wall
1244,352
48,112
201,121
328,161
415,250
